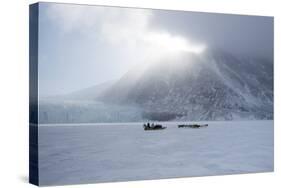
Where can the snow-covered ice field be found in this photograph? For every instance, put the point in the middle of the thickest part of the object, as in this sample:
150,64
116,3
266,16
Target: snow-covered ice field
90,153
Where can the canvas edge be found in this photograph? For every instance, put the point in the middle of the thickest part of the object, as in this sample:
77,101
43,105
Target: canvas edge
33,94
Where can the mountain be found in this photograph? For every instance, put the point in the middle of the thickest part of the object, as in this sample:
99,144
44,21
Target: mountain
89,93
214,85
86,94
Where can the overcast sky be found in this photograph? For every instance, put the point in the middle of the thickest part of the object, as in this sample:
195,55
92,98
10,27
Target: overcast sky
81,46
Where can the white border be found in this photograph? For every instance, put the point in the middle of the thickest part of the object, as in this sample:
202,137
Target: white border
14,90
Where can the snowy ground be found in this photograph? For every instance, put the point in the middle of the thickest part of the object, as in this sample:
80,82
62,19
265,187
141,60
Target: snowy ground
120,152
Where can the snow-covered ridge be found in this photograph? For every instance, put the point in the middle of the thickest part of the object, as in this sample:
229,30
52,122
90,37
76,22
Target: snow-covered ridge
215,85
212,86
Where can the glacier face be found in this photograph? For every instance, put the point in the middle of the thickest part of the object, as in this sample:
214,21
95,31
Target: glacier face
212,86
84,111
215,85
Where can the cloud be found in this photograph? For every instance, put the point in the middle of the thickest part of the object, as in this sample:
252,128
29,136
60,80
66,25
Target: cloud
120,28
115,25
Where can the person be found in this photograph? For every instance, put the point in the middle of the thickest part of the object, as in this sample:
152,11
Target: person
148,125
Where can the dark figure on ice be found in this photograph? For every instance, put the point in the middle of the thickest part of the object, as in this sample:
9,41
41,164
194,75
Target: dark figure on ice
152,127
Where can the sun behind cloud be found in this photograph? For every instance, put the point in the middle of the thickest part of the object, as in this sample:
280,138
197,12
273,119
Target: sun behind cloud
124,29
